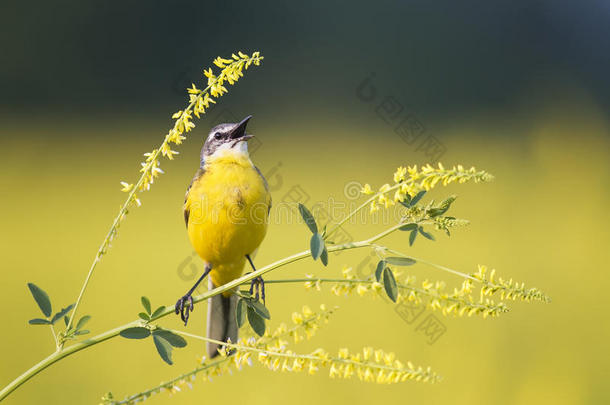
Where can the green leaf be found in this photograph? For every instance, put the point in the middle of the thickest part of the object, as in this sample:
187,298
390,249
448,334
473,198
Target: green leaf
42,299
316,245
408,227
144,316
389,283
416,199
172,338
81,332
146,304
164,348
256,321
406,201
66,320
260,308
442,208
379,270
412,237
82,321
39,321
308,218
158,312
435,212
446,204
240,312
324,257
400,261
62,313
137,332
426,234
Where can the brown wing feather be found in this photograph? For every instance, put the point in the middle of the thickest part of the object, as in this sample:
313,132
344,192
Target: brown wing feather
266,187
199,173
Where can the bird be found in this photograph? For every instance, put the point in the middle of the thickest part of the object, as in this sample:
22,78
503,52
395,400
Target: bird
226,211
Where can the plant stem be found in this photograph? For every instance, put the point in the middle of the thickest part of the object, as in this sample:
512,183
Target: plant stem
54,337
117,220
64,352
438,266
60,354
354,212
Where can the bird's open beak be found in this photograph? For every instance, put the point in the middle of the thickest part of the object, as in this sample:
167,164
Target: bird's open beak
239,133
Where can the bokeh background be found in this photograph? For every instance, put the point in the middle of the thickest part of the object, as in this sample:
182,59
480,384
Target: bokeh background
520,89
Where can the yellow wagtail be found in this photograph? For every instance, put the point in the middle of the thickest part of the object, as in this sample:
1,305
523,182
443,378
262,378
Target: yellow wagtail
226,211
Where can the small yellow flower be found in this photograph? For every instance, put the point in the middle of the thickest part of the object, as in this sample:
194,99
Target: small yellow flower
374,207
361,289
366,189
297,318
126,187
400,173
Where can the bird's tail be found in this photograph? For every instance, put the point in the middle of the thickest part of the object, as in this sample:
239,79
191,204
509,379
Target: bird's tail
222,324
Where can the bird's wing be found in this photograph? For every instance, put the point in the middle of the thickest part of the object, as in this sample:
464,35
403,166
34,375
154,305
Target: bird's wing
199,173
266,187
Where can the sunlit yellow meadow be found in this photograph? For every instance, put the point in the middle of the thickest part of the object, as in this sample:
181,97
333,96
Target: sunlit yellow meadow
540,221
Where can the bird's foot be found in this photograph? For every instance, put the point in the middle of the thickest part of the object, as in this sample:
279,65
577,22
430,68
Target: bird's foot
184,306
258,284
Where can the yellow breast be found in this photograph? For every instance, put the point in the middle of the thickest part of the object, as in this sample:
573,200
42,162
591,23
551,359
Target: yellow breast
228,214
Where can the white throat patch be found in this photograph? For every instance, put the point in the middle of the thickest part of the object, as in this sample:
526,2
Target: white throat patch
226,149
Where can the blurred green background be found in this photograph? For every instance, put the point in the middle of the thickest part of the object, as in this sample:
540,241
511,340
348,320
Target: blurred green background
517,88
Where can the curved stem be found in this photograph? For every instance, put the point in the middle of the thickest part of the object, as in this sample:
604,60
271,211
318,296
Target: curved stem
117,220
64,352
60,354
54,337
438,266
354,212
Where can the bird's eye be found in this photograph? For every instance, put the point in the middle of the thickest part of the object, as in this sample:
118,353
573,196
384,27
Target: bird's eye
217,135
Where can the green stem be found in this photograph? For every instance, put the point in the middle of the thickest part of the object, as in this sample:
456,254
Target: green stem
354,212
170,383
438,266
54,337
64,352
117,220
60,354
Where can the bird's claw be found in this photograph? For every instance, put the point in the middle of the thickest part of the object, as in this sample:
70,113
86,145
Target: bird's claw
184,306
259,284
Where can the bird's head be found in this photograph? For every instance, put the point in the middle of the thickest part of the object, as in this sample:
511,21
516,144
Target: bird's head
227,138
